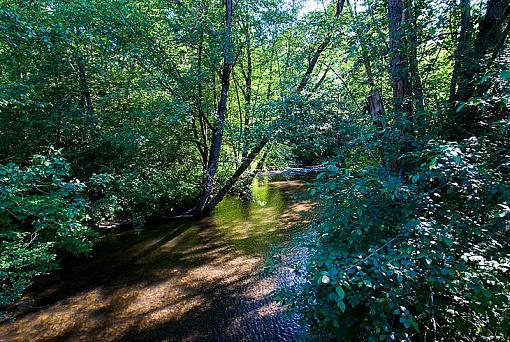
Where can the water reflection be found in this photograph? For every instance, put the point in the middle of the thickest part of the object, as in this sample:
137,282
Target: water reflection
252,227
185,281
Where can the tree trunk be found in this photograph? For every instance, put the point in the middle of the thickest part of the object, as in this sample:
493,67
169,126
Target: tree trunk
339,7
217,138
492,33
416,85
463,47
399,71
376,109
200,133
400,82
248,91
206,203
89,128
312,62
84,85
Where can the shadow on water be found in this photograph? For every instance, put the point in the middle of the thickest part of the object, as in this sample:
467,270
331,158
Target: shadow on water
186,281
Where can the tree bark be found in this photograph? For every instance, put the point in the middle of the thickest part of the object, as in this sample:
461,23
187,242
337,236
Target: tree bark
400,81
416,84
84,85
463,47
399,72
200,132
89,128
313,62
217,138
247,93
339,7
376,109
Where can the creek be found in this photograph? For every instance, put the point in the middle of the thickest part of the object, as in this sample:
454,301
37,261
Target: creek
189,280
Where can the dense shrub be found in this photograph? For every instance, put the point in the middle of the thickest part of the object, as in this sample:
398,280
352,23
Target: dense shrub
42,215
425,255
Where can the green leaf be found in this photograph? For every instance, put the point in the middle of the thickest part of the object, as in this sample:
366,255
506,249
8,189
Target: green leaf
341,305
340,292
400,278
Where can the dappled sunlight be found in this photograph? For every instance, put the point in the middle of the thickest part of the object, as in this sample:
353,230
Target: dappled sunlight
185,281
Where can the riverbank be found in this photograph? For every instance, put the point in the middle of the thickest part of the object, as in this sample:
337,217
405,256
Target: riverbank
288,173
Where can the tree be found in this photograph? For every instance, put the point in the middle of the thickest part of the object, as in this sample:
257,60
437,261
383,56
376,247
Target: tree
217,137
473,58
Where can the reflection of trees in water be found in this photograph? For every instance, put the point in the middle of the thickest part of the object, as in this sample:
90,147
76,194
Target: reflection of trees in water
252,227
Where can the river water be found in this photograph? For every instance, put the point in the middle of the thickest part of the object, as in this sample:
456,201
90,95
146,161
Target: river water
191,280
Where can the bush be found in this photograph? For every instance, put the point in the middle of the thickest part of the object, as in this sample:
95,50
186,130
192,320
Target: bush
426,256
42,215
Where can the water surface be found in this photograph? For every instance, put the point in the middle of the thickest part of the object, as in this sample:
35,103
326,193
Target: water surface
185,281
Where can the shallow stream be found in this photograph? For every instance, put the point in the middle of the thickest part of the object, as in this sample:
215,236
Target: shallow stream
190,280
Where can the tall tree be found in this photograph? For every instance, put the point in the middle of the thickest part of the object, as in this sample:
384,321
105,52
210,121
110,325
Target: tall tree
218,130
414,9
463,48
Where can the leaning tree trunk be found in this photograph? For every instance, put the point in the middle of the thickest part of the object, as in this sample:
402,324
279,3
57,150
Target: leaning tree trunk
206,203
245,164
217,138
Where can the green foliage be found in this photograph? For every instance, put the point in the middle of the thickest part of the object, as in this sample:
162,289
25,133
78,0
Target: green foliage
411,237
397,259
42,218
411,241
